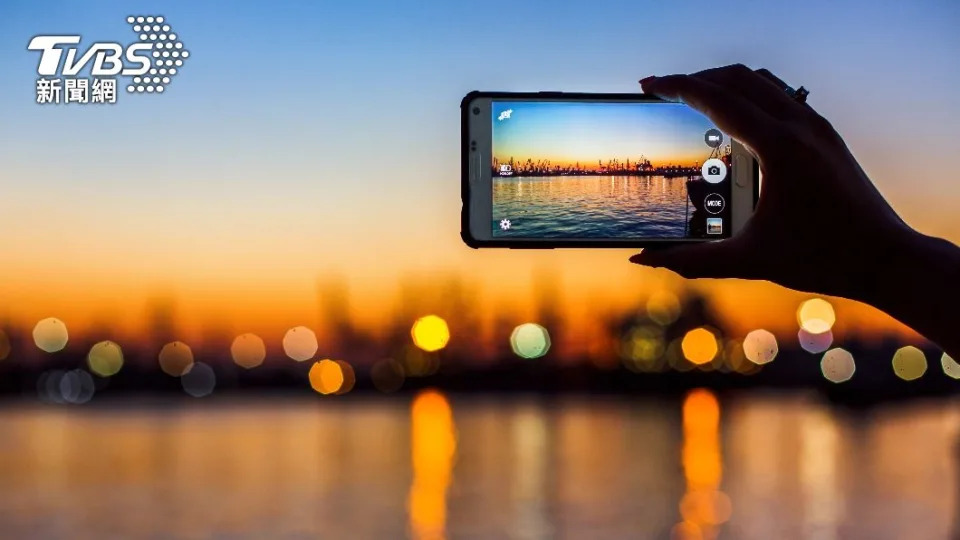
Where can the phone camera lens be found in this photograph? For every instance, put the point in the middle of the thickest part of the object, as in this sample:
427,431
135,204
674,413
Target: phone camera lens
476,110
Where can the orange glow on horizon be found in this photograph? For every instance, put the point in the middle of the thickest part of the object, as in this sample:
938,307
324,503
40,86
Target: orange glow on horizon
680,160
497,283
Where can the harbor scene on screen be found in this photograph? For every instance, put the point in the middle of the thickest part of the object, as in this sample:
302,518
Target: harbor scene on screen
619,170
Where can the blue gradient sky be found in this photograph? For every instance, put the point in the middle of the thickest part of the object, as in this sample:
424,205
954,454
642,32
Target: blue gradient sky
313,136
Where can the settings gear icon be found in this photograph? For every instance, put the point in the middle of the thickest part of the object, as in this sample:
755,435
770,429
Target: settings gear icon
505,224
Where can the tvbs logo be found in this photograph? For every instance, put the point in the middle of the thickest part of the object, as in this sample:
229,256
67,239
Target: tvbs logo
107,57
151,63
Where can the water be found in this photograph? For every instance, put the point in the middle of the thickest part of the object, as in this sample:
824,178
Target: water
591,206
449,467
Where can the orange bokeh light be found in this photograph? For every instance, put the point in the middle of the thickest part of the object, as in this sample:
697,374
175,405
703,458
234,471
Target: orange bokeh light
326,377
699,346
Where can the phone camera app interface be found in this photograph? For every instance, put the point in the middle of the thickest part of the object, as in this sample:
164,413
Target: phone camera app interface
600,170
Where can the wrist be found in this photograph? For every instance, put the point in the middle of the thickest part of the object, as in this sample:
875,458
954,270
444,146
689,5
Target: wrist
917,281
883,265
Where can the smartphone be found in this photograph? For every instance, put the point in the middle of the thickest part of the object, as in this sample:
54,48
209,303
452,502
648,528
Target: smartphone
554,169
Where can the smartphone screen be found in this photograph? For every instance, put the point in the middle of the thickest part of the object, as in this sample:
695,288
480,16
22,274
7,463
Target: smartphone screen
608,170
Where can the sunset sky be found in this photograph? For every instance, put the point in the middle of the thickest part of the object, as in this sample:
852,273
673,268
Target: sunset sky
571,133
318,139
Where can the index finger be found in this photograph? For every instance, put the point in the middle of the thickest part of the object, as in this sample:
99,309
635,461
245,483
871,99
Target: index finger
730,112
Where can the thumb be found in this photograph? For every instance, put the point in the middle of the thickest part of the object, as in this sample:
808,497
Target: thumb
721,259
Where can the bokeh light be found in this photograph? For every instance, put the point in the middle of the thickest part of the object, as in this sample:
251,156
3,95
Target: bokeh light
417,362
760,346
105,358
326,377
199,380
248,351
387,375
430,333
643,348
50,335
663,308
814,343
175,358
349,377
4,346
699,346
76,387
909,363
300,343
48,386
57,386
674,356
530,340
837,365
950,366
736,359
816,316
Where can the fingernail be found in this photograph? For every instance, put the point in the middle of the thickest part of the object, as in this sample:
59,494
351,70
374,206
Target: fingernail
645,80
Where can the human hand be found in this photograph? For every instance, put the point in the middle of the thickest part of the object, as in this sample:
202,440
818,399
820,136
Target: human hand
820,224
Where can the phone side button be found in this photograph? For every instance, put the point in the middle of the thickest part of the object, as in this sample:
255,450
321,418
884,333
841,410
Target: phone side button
741,175
475,168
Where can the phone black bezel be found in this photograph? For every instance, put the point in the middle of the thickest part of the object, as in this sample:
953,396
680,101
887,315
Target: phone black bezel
551,243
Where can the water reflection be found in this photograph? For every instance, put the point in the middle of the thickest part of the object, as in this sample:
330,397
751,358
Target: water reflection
529,486
433,446
451,467
703,507
822,504
591,206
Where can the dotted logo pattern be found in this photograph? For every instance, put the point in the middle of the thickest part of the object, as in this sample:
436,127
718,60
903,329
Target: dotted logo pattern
168,53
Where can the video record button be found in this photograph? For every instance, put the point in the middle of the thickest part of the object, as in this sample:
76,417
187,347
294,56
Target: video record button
713,138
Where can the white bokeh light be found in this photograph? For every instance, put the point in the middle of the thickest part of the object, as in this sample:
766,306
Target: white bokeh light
530,340
760,346
814,343
816,316
199,380
50,335
837,365
950,366
300,343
